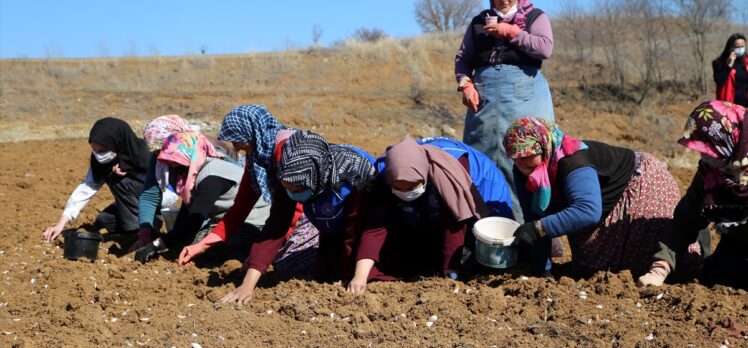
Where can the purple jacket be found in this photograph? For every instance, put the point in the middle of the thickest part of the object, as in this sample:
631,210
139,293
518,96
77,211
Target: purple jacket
537,43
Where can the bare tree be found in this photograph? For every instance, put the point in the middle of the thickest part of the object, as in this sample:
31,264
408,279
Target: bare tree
369,35
579,34
316,34
445,15
103,49
611,19
698,19
645,18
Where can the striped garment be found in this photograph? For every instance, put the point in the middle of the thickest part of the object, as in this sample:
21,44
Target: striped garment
254,125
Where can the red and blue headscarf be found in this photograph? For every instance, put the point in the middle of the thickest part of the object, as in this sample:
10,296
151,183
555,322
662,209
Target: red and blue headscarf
534,136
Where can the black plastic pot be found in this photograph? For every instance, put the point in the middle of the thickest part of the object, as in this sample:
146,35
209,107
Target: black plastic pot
81,244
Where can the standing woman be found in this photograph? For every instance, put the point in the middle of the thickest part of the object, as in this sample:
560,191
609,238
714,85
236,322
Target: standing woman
718,194
332,183
498,71
419,216
611,202
252,129
731,71
119,159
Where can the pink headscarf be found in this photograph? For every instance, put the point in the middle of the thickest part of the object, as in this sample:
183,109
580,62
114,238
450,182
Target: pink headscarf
409,161
191,150
157,130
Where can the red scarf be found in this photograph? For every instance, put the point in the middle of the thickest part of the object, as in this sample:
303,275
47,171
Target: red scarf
726,91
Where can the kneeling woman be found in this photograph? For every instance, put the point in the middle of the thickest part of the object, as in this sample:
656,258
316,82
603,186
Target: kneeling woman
331,182
251,128
119,159
718,193
420,213
611,202
207,184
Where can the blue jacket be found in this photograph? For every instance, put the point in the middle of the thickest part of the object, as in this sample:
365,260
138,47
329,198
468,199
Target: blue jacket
487,178
326,211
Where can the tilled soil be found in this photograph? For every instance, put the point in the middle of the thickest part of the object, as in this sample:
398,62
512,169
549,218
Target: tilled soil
46,300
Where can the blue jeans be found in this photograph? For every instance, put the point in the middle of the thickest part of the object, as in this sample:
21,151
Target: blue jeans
507,92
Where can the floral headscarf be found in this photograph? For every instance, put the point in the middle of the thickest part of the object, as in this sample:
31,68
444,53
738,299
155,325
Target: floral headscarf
719,129
158,129
191,150
253,124
533,136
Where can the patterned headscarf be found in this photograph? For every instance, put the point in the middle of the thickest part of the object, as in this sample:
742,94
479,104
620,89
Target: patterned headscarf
253,124
191,150
158,129
534,136
309,161
411,162
719,129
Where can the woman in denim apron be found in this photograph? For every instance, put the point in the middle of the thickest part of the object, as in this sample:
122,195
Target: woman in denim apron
498,71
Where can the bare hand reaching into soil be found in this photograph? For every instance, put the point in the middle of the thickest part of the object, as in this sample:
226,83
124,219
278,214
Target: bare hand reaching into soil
245,292
357,286
51,233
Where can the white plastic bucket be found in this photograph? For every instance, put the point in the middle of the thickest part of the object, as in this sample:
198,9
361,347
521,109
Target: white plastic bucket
170,217
493,237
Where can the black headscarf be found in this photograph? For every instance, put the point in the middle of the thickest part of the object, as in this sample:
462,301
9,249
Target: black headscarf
116,135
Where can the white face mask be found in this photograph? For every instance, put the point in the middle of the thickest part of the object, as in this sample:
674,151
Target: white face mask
104,157
511,11
740,51
411,195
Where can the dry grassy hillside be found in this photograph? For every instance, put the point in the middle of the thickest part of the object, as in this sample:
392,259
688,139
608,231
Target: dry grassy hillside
364,91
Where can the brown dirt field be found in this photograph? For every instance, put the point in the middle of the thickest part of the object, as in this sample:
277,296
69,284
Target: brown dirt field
49,301
367,96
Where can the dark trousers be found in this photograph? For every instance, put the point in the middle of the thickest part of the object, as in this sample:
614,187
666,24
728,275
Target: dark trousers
728,265
122,215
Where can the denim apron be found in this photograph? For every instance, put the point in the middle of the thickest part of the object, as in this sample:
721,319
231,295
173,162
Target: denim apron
507,92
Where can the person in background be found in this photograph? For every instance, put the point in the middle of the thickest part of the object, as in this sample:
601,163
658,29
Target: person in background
207,184
332,182
252,129
611,202
120,160
731,71
718,194
498,71
425,203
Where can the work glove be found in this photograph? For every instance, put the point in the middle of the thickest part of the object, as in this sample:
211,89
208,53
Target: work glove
145,236
656,276
190,251
470,97
526,234
508,31
146,253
